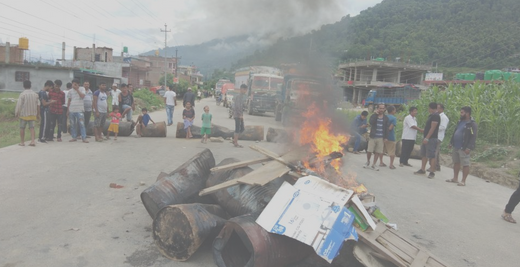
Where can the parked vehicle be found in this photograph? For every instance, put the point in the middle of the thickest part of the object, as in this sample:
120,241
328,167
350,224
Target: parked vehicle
394,95
229,97
263,82
218,86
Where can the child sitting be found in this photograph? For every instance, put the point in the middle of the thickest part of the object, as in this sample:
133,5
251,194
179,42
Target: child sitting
188,114
114,123
142,122
206,125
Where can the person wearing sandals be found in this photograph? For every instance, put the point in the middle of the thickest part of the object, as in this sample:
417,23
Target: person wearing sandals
28,111
238,113
511,205
390,142
431,139
378,135
463,142
188,114
76,107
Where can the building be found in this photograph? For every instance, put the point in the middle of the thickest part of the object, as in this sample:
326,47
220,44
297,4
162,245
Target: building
191,74
362,76
137,70
11,53
93,54
157,67
13,75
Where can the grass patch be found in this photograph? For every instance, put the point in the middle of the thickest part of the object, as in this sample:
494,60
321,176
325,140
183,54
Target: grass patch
493,164
9,125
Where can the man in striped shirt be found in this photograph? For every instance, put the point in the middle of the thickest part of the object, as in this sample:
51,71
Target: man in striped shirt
28,110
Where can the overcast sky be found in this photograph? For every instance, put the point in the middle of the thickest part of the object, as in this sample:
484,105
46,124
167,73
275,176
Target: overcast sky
137,23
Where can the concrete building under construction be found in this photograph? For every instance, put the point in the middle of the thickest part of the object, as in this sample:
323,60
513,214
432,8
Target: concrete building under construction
362,76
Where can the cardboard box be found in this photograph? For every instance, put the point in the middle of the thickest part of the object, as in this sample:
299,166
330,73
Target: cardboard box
312,212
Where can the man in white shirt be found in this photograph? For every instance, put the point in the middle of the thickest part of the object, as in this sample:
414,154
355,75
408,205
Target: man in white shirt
76,109
170,101
408,137
115,95
442,132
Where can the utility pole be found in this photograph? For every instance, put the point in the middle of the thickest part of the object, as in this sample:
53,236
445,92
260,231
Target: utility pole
165,59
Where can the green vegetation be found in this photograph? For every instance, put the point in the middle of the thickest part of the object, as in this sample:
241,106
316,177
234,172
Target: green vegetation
179,88
148,99
9,126
480,35
494,153
495,108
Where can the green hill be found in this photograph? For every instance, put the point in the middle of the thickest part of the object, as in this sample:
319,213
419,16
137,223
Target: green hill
480,34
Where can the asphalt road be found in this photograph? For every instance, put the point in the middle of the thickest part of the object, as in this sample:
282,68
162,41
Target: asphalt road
56,207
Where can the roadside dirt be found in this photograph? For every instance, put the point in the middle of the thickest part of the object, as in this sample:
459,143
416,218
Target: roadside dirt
503,171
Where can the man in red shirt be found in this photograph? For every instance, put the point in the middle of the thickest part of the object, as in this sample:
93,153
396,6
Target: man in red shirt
56,110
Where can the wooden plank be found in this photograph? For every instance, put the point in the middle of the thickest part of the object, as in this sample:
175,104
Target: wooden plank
396,250
420,259
401,243
369,238
264,174
270,154
220,186
240,164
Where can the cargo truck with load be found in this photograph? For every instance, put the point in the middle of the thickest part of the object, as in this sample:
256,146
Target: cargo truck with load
392,95
262,85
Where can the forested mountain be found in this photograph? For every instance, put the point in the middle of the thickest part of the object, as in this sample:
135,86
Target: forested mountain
452,33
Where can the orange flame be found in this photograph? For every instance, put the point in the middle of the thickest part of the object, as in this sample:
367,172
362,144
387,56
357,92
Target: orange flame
316,132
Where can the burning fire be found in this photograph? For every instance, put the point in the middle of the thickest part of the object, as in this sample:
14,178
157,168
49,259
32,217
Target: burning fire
316,132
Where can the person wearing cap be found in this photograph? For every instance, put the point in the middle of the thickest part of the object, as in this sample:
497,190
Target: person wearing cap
115,95
189,97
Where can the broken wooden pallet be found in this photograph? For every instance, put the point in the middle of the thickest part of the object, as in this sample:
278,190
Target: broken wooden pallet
397,249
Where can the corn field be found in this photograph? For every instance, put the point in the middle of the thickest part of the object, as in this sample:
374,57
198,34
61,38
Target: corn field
495,108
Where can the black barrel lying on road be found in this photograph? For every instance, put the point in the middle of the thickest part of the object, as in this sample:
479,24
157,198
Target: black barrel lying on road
251,133
181,185
241,199
125,128
179,230
244,243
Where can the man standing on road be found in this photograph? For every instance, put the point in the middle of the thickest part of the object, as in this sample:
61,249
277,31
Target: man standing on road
378,135
28,111
430,141
442,132
390,142
189,96
359,129
87,101
408,137
126,101
44,109
511,205
55,111
100,108
115,96
170,101
76,108
238,113
463,141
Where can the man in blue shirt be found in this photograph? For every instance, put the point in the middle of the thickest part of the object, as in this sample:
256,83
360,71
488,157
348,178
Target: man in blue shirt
390,141
359,128
378,135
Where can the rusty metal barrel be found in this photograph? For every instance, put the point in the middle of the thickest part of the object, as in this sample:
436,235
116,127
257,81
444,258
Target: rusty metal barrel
241,199
275,135
179,230
251,133
244,243
155,130
179,186
125,128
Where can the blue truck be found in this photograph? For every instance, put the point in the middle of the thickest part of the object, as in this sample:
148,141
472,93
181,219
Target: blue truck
392,95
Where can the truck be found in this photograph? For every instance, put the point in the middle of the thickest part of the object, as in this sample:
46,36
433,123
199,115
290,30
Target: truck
392,95
218,86
296,95
262,85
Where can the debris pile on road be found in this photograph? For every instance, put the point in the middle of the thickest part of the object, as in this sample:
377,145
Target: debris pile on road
284,213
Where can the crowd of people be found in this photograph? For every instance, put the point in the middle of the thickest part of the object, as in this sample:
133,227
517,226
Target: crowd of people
70,110
382,138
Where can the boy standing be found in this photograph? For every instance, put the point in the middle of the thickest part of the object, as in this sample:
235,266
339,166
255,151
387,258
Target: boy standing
206,125
188,114
114,123
27,109
390,142
142,122
44,108
76,108
100,108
